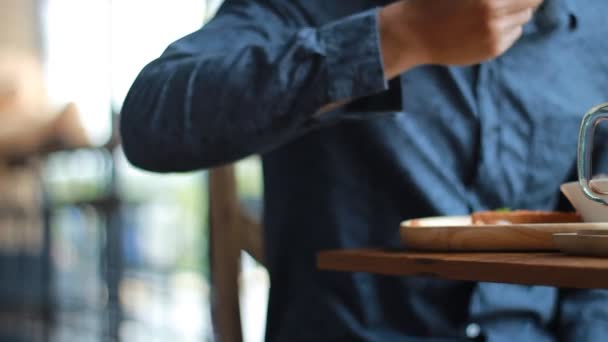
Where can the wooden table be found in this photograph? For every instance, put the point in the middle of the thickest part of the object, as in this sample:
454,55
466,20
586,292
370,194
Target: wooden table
552,269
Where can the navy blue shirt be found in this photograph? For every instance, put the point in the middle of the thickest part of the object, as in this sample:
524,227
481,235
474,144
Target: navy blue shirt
434,141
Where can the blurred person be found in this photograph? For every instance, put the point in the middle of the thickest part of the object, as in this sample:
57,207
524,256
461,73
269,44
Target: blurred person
30,123
366,113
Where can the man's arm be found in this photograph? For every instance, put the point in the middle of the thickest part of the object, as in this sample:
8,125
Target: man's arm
249,80
259,74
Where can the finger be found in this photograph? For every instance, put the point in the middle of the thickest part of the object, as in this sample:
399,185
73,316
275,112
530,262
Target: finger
506,7
514,20
510,37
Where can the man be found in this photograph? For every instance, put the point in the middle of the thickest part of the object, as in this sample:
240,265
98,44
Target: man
347,154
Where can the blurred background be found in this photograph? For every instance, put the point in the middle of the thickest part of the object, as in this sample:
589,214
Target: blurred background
92,249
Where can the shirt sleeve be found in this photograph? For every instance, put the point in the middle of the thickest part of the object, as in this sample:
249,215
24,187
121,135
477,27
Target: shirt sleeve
248,81
584,315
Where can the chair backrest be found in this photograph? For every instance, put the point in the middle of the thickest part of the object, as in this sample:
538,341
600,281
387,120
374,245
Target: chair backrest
231,231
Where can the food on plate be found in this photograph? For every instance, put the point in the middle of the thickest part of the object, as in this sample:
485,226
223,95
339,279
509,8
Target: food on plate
502,216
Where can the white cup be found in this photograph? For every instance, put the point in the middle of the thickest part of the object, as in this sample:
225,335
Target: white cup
590,210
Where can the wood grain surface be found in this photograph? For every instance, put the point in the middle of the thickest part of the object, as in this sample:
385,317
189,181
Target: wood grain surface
553,269
513,237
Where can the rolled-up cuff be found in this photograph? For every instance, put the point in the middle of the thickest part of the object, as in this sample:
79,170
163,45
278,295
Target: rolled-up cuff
353,55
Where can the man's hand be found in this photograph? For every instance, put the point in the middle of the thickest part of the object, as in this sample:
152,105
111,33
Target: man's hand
449,32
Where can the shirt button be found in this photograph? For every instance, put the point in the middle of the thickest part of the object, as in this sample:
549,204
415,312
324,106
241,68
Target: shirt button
473,331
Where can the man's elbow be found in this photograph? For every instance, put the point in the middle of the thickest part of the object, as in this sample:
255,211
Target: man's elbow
140,149
151,150
156,139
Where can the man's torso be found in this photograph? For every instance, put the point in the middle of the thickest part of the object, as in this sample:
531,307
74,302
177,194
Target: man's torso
502,134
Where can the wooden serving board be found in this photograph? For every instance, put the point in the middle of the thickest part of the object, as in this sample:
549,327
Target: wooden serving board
456,233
